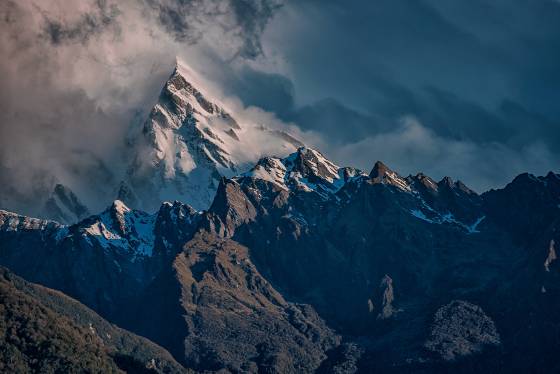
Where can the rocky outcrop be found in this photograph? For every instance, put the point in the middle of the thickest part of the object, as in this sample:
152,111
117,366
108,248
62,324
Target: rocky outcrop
382,174
231,208
551,257
342,360
233,319
526,207
384,300
387,299
461,329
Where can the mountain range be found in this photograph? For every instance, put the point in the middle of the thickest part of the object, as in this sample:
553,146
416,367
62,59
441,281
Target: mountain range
292,265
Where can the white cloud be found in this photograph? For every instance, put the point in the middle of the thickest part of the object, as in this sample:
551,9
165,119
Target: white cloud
80,73
412,147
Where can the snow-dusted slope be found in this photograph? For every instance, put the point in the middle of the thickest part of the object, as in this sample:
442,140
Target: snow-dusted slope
123,229
135,233
307,171
130,235
304,170
105,259
188,142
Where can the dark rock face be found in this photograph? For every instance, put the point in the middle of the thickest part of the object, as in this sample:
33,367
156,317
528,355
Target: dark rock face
232,207
526,206
104,260
387,298
461,329
439,241
233,318
206,302
379,170
302,266
361,232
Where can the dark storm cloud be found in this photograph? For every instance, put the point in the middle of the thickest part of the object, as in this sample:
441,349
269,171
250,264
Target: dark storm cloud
101,16
384,53
269,91
253,16
247,19
482,73
331,117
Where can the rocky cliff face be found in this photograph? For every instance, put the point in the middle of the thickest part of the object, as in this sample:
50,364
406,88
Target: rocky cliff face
300,266
434,241
233,319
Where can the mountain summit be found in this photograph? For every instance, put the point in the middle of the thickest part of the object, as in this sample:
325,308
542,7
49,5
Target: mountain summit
188,142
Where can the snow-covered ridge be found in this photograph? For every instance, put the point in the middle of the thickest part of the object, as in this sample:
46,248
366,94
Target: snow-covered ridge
305,170
136,233
122,228
396,180
126,235
10,221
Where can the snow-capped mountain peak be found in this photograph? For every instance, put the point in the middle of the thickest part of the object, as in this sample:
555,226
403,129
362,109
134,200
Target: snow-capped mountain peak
382,174
134,233
309,162
122,228
305,170
188,142
191,137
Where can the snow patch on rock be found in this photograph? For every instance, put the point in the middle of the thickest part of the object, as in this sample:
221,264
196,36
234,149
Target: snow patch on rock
124,229
305,170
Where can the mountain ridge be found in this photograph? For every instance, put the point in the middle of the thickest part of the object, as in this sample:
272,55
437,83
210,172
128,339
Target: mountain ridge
217,241
355,270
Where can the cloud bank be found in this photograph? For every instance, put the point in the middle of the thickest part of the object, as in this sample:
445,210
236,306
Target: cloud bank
77,76
482,73
467,89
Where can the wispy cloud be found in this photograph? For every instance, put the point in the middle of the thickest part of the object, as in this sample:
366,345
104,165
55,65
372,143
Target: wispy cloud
75,76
